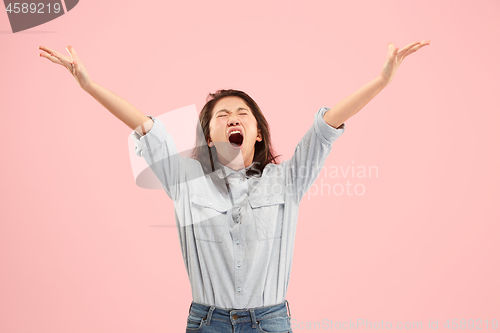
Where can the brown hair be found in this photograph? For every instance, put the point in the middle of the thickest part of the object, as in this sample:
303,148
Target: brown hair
207,156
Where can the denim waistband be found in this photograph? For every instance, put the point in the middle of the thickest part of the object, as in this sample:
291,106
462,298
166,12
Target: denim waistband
253,315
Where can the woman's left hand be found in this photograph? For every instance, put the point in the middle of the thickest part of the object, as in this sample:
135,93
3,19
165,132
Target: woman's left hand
395,57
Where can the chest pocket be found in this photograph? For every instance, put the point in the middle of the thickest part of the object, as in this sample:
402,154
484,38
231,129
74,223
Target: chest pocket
268,215
209,217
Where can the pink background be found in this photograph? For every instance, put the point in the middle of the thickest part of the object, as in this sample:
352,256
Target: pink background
84,249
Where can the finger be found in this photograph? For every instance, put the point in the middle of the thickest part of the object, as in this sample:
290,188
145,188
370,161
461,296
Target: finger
413,49
51,58
416,46
409,46
65,61
394,51
51,53
392,48
72,51
46,49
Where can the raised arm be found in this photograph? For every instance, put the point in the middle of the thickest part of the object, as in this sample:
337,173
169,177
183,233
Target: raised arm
118,106
329,124
150,136
350,105
310,154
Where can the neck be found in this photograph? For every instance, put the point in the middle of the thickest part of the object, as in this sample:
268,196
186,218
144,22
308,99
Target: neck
237,164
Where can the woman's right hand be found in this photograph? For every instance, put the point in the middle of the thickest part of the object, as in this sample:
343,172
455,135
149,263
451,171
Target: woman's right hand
72,64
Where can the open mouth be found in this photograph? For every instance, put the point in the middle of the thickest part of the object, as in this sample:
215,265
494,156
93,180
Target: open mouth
236,139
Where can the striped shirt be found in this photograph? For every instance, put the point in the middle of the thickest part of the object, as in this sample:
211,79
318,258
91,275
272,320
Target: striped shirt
237,232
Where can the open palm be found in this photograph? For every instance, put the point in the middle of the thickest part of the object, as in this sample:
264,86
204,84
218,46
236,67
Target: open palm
72,63
395,57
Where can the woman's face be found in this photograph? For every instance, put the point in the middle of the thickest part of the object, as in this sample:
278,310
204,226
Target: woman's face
230,115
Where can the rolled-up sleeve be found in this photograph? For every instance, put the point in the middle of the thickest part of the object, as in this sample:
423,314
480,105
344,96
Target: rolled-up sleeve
158,149
328,134
310,155
153,139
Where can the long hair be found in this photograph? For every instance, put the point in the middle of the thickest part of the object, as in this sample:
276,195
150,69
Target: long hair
207,156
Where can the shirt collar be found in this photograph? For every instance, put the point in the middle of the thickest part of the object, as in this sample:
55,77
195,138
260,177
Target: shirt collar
228,171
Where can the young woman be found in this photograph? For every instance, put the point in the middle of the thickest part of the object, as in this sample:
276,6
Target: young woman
236,206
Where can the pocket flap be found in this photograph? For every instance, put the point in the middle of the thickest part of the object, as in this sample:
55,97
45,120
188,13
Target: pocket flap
208,203
268,200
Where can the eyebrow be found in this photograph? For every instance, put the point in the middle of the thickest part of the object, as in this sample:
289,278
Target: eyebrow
225,110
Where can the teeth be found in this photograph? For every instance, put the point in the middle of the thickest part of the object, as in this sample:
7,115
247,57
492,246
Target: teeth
234,132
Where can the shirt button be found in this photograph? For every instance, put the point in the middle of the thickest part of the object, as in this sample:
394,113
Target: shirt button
237,242
238,264
239,289
268,201
237,219
210,203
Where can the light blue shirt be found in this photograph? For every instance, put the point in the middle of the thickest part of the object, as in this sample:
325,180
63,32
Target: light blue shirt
237,244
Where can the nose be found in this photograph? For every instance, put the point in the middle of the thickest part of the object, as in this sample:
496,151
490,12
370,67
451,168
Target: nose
234,121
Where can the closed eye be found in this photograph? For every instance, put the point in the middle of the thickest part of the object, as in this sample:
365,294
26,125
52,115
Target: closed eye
225,114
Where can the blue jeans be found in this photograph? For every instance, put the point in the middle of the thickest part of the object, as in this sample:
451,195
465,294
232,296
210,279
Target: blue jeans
211,319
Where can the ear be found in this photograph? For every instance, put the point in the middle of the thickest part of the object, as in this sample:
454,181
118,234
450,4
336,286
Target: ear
259,135
210,143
